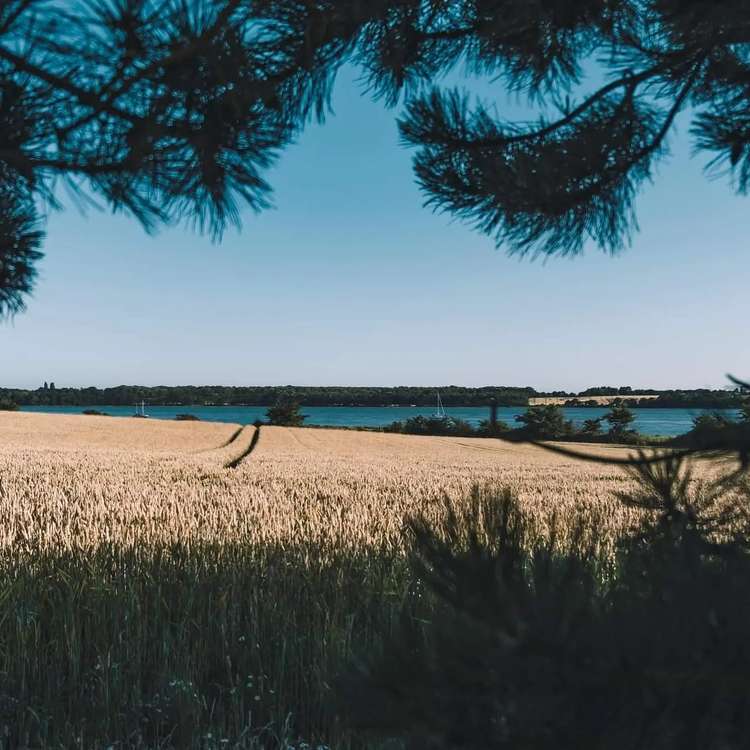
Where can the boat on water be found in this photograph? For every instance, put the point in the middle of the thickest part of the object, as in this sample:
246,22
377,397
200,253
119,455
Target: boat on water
440,412
140,411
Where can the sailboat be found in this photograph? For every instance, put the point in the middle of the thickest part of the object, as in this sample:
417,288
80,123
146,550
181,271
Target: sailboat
440,413
140,410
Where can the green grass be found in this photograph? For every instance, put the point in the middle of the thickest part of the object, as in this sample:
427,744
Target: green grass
185,647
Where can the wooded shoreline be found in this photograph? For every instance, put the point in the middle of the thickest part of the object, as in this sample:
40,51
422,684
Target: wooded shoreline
364,396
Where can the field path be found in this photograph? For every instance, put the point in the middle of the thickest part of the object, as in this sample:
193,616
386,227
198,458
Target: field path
235,462
232,438
232,452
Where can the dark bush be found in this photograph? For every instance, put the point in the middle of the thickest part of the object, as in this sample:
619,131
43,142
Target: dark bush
716,432
592,427
286,414
541,642
544,423
620,418
488,429
420,425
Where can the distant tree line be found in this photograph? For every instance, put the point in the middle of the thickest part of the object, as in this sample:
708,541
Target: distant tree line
265,396
624,390
699,398
126,395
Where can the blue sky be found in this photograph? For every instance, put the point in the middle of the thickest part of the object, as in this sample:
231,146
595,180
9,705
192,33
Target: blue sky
349,280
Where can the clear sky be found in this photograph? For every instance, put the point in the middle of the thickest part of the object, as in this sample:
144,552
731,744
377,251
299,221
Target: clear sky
350,281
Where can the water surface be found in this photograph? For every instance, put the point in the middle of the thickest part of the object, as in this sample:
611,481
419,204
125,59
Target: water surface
668,422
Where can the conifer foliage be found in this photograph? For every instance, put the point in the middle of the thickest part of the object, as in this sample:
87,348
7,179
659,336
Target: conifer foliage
538,641
174,109
20,239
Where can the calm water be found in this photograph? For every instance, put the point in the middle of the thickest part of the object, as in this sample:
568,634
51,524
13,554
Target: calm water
648,421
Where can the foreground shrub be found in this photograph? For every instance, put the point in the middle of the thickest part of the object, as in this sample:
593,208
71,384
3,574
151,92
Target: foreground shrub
536,642
712,432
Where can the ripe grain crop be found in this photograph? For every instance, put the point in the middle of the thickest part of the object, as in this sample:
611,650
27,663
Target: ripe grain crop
600,400
339,489
152,596
76,432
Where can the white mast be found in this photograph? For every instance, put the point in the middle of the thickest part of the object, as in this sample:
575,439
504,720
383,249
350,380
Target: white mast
440,413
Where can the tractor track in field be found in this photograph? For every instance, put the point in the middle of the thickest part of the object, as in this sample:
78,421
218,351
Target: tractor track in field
235,462
225,444
233,437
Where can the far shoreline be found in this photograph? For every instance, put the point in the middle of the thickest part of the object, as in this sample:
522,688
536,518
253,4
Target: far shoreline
666,422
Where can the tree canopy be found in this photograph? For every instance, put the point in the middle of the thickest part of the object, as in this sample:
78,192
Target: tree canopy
286,414
620,418
172,110
451,395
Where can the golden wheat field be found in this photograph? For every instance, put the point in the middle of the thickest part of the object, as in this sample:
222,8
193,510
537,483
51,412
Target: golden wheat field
169,582
601,400
73,482
73,432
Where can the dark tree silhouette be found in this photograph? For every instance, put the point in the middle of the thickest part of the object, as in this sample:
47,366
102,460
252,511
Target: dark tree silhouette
620,418
592,427
8,405
286,413
546,422
173,109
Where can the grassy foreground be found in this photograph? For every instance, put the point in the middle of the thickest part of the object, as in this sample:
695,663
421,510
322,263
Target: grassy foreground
153,597
184,646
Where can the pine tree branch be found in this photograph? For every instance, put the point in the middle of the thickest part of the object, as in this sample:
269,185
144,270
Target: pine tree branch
21,8
84,96
180,55
631,81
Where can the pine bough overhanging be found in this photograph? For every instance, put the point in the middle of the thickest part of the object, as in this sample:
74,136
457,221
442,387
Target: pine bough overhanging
174,109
